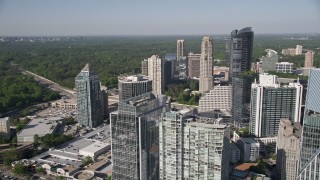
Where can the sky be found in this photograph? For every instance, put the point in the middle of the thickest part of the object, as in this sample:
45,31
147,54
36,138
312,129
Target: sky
156,17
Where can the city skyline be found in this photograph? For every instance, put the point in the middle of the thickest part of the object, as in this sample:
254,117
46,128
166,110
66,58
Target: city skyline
63,18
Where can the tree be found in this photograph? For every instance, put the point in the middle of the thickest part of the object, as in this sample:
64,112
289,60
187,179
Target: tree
40,170
87,160
9,156
19,169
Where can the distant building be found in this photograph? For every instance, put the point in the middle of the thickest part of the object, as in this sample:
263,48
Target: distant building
249,149
180,49
65,104
298,50
5,127
156,74
144,67
288,149
131,86
308,62
89,107
206,78
181,63
193,148
269,61
193,65
135,132
221,70
289,51
310,146
169,67
284,67
270,102
220,97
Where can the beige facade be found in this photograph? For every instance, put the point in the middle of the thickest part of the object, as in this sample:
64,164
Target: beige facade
156,74
206,78
308,62
5,127
193,65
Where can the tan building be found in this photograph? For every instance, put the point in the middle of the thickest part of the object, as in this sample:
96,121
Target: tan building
221,69
65,104
5,127
156,74
308,62
193,65
206,78
288,148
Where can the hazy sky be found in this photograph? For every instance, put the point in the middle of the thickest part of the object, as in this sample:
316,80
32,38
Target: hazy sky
156,17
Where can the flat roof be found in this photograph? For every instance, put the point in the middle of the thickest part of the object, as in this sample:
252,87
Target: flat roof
40,126
4,119
249,140
96,146
206,125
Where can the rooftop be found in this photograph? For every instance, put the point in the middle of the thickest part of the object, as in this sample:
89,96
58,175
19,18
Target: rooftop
40,126
4,119
96,146
249,140
133,78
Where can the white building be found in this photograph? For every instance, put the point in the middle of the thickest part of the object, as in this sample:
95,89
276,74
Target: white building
220,97
206,78
156,74
95,149
5,127
298,50
284,67
193,149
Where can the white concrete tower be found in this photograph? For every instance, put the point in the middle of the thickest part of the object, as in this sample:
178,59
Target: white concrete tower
206,78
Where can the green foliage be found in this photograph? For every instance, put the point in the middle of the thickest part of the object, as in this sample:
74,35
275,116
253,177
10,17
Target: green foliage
19,169
182,92
4,140
51,140
17,90
288,75
9,156
87,160
244,132
22,124
109,178
40,170
70,120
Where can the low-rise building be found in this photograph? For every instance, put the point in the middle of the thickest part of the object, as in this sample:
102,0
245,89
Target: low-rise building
284,67
65,104
5,127
95,149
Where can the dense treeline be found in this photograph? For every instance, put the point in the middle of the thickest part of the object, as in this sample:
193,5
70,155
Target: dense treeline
17,90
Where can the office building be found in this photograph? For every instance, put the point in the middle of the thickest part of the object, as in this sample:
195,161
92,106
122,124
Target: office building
288,149
131,86
5,127
181,66
156,74
193,65
144,67
180,49
241,88
135,137
309,167
206,78
298,50
241,44
221,72
169,67
220,97
269,61
284,67
89,107
308,62
193,148
235,153
249,149
271,102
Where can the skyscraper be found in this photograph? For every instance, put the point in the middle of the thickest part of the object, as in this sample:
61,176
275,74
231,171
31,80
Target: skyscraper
144,67
181,63
206,78
135,137
89,106
156,74
298,49
309,167
270,102
240,53
131,86
288,149
270,60
193,65
193,148
180,49
241,44
308,62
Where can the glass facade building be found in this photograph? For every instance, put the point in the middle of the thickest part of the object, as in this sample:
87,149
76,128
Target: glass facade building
89,99
131,86
135,137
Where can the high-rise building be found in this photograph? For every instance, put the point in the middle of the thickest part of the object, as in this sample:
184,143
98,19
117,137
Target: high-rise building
135,137
206,78
309,167
220,97
308,62
288,149
193,65
269,61
89,107
180,49
169,67
156,74
241,89
144,67
271,102
241,44
193,148
298,50
131,86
